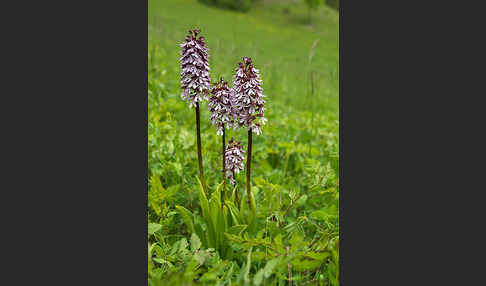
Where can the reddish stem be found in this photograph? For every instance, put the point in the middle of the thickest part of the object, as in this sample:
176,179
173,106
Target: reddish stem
248,169
199,153
224,170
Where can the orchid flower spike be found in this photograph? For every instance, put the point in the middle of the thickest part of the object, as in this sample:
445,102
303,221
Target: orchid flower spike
195,80
221,106
249,102
234,159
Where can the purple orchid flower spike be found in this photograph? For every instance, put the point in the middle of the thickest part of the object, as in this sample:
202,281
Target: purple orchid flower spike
221,106
195,80
234,159
249,97
249,105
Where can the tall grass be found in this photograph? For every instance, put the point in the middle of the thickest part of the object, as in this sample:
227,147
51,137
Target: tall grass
279,42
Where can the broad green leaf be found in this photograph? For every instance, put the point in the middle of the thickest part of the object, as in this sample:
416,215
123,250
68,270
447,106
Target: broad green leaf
235,213
207,216
252,201
270,266
195,242
214,272
187,218
257,280
183,244
201,234
279,244
258,256
317,255
215,211
305,265
246,270
320,215
296,241
158,250
153,227
233,195
163,261
201,257
177,167
224,224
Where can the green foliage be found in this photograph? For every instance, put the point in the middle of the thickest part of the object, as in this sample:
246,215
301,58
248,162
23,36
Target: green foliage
333,4
279,42
238,5
218,219
197,238
313,4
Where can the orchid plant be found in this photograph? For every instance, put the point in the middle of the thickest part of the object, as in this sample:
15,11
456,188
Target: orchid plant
195,82
239,106
222,114
234,162
249,105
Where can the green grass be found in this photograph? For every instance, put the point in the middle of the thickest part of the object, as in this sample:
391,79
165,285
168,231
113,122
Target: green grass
278,43
295,161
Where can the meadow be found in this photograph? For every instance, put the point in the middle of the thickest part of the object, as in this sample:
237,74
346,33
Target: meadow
291,237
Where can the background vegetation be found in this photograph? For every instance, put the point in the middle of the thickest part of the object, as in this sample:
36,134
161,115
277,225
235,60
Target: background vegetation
295,165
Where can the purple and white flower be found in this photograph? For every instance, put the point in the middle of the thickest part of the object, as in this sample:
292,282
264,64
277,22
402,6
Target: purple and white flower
195,80
233,159
249,102
221,106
